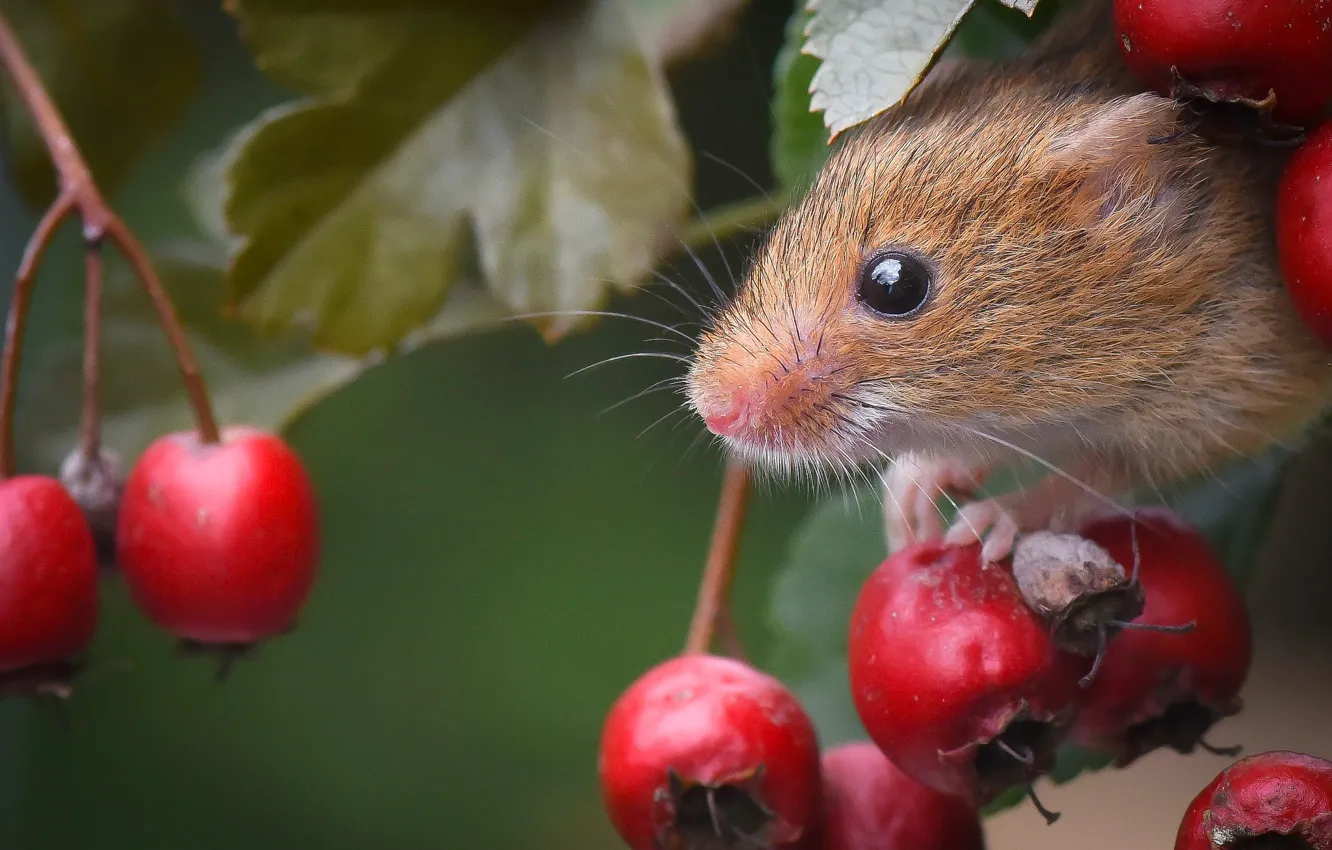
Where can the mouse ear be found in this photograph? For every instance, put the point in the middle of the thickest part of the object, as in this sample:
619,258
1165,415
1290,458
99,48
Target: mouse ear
1124,128
1116,153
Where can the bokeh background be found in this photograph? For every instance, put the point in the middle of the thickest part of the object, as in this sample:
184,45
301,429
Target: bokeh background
501,558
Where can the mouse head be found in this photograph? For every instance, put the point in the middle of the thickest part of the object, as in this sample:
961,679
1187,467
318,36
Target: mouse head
997,255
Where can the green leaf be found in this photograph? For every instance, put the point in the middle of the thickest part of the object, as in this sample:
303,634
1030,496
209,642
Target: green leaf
800,140
799,144
122,73
1071,761
874,52
551,150
1234,507
992,31
261,382
831,554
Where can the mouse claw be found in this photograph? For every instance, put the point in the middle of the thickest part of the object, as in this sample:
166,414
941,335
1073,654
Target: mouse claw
989,522
911,486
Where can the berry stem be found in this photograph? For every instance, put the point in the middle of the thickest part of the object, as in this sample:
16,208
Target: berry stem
714,592
17,322
91,442
78,190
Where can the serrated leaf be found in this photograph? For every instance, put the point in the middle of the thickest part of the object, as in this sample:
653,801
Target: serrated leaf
799,144
122,73
257,381
557,150
800,141
874,52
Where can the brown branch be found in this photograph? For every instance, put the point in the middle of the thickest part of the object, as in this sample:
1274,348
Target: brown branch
714,593
17,322
79,191
91,442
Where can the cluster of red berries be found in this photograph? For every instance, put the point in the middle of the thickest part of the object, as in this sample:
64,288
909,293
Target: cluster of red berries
967,677
217,542
1266,58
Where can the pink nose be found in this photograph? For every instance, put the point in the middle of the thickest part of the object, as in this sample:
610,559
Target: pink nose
727,418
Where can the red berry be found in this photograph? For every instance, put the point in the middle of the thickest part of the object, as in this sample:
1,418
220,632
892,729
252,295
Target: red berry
1234,49
954,677
218,542
1304,230
1157,688
871,805
48,575
707,752
1277,800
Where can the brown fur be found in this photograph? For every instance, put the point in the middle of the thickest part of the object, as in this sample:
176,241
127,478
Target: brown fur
1096,296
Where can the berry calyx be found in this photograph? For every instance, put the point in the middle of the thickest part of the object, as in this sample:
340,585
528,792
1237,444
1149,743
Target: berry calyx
1279,800
1304,231
956,680
97,482
48,584
708,753
1259,55
1080,590
1167,688
219,542
869,804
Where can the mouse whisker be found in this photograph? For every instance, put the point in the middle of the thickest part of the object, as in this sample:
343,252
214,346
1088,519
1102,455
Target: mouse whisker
658,386
660,419
657,354
605,314
1048,466
703,312
738,171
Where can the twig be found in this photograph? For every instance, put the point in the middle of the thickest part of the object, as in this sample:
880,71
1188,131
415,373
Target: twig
79,191
18,320
91,442
714,592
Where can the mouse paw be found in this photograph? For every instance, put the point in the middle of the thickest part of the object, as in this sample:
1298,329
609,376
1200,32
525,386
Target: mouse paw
992,522
911,486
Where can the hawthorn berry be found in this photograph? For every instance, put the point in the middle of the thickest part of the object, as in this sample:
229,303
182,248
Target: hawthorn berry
955,678
48,579
1272,801
218,542
708,753
1304,230
1167,688
869,804
1233,51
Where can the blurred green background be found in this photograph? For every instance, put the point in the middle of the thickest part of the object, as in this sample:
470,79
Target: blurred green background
500,560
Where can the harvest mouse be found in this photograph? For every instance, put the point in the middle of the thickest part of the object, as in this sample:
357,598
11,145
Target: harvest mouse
1023,260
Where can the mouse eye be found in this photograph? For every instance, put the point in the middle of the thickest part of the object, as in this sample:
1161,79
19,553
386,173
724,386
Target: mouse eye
894,284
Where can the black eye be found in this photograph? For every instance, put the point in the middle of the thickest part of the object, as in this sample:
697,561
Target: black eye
894,284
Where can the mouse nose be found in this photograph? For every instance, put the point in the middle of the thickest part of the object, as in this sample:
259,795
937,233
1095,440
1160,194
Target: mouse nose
727,417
